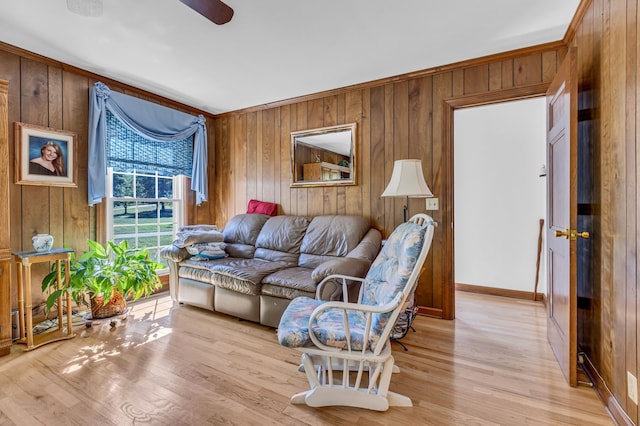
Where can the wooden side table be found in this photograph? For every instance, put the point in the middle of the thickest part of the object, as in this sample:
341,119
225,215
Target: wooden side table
24,260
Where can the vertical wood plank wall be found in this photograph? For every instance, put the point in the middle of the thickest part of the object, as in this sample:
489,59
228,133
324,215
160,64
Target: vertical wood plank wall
404,118
45,93
399,118
607,42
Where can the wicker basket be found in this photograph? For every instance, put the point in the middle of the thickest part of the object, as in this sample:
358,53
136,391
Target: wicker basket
115,306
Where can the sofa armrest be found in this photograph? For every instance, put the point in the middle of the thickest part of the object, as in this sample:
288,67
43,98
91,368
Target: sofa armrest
339,287
368,248
343,266
174,254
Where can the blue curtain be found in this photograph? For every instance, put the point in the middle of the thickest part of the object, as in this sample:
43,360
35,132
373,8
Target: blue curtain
149,120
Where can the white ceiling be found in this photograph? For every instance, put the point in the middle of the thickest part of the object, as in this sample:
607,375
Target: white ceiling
275,49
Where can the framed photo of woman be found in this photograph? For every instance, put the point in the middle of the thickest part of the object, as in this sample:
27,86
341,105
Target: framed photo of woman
45,156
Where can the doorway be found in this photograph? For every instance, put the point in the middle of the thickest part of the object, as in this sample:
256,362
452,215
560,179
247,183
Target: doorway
448,207
451,105
500,197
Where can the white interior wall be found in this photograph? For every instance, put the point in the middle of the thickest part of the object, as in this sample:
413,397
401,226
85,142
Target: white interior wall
498,194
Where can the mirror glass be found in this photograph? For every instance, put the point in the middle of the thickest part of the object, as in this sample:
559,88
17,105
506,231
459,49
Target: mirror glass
323,157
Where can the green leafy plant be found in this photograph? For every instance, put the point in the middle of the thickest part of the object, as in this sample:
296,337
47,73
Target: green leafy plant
101,271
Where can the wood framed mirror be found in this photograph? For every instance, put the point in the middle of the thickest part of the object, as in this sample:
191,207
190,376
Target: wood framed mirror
324,156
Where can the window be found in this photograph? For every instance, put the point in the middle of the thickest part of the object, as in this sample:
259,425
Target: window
144,209
145,188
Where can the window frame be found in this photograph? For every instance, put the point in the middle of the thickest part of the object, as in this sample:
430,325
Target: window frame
179,201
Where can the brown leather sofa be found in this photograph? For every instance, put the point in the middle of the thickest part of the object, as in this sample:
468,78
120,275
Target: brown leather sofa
272,260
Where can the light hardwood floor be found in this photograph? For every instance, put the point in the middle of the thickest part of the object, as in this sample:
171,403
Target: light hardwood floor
186,366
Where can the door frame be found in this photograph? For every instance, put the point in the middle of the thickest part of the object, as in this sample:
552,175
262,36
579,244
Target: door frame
450,106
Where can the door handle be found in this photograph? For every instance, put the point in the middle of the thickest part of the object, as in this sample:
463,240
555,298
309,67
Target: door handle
572,234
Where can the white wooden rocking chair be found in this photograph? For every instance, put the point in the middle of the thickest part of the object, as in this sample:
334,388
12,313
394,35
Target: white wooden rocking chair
346,351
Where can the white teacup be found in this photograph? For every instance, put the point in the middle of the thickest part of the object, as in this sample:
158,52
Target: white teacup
42,242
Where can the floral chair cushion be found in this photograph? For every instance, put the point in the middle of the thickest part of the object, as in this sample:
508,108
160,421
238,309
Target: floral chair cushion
293,330
390,271
388,275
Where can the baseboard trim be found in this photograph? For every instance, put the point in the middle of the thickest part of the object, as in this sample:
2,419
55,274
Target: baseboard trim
602,390
517,294
430,312
438,313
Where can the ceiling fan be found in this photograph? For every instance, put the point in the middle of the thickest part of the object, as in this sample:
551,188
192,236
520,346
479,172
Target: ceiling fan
214,10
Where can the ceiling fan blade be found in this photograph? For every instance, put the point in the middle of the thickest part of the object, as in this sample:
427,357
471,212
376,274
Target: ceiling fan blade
214,10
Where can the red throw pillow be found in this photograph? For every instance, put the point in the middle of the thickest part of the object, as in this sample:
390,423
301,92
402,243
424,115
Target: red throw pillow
262,207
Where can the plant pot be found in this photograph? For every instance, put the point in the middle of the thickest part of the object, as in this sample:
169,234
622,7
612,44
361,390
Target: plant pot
115,306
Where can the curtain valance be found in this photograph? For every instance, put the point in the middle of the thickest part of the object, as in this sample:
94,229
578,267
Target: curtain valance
127,150
149,120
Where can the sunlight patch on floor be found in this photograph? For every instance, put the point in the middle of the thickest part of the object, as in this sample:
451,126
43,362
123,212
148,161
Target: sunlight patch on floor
152,308
142,312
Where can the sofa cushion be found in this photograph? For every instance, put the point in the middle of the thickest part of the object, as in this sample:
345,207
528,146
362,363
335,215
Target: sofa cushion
198,263
290,283
245,275
295,278
244,251
200,269
331,236
280,239
284,292
237,274
241,234
196,274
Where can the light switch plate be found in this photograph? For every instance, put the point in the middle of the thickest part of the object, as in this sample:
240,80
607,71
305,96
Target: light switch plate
432,204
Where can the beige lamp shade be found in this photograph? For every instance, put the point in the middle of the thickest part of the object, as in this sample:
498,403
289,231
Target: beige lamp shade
407,180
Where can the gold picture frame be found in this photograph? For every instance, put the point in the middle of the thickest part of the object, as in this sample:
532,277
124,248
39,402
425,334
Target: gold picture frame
45,156
324,156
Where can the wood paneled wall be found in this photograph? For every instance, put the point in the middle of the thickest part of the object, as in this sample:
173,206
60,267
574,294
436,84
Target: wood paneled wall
405,117
399,117
609,308
48,93
402,117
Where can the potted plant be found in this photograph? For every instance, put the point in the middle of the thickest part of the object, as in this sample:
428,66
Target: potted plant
108,276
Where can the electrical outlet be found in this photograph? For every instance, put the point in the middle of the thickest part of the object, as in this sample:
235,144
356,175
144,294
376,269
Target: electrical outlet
632,387
432,204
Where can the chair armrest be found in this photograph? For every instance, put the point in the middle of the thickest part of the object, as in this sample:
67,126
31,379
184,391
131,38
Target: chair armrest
369,310
174,254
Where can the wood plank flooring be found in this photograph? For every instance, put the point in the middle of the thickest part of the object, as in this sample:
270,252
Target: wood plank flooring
185,366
